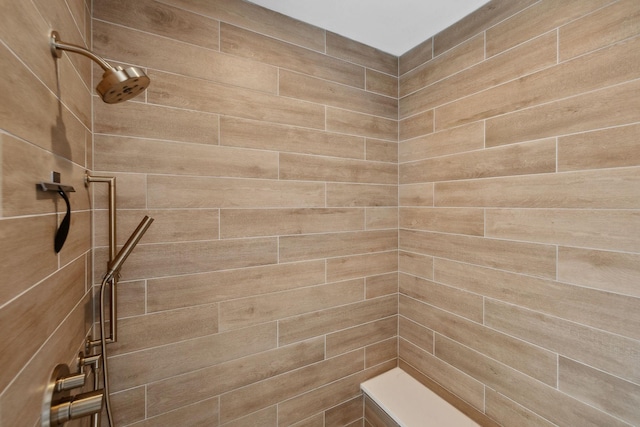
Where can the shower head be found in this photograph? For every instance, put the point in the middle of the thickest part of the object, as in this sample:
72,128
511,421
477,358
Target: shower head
118,84
116,264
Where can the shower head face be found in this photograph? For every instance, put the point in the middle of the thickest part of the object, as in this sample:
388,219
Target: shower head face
118,84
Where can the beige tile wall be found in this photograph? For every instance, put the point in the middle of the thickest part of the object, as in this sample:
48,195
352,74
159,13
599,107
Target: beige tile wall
519,194
45,125
266,149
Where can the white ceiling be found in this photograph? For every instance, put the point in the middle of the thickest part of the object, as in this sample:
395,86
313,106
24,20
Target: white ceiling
393,26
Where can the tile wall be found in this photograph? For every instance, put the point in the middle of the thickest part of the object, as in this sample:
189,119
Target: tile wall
45,125
519,214
266,150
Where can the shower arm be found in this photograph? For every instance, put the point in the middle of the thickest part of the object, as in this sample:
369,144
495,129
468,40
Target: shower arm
58,46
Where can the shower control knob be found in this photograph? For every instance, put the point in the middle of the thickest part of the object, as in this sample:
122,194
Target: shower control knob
79,406
70,382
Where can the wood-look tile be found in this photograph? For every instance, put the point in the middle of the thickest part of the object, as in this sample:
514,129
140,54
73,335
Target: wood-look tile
600,309
381,218
304,87
382,352
45,306
174,392
384,284
606,189
344,414
518,257
361,336
152,330
415,333
239,42
128,406
354,123
416,56
597,229
154,364
606,148
530,57
169,259
446,220
276,389
259,19
137,119
417,125
206,288
605,392
356,52
27,252
539,18
611,24
350,267
457,382
416,194
352,195
450,141
313,421
131,298
536,362
131,191
25,165
315,168
267,136
544,400
415,264
381,151
124,154
314,246
509,412
610,271
463,56
269,222
21,401
381,83
323,322
18,18
244,312
326,396
267,417
160,53
482,19
162,19
581,113
590,346
600,69
210,97
175,225
204,413
453,300
209,192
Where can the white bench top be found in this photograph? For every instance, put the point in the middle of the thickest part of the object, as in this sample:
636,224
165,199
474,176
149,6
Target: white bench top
410,403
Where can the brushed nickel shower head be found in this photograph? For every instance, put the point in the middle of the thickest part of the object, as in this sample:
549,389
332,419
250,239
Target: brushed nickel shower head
118,84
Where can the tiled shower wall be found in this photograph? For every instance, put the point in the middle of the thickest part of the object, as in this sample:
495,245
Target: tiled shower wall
519,224
266,150
45,125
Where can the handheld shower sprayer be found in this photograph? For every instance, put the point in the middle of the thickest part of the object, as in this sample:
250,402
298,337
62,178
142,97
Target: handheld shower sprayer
118,84
114,266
